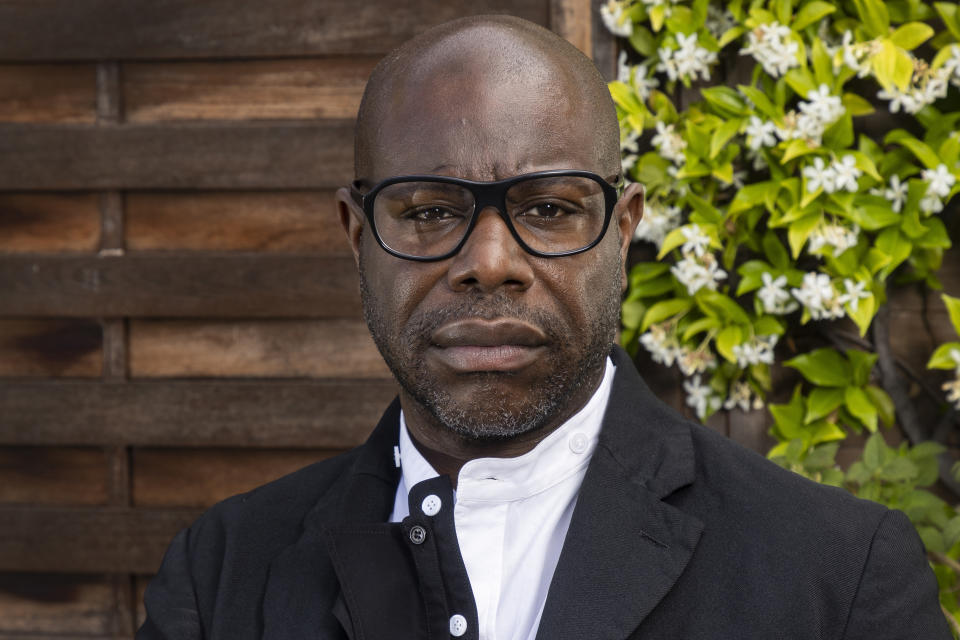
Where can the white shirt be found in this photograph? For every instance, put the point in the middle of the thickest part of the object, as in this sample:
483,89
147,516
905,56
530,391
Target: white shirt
512,515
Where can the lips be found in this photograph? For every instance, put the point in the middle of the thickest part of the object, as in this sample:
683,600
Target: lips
476,345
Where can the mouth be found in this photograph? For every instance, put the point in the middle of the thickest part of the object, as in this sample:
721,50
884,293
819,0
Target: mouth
476,345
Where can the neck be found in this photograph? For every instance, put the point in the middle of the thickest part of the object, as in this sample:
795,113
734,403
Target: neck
447,451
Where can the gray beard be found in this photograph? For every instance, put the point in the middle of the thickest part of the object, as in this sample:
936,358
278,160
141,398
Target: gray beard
489,416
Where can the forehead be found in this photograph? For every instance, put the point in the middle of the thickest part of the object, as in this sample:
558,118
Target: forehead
484,117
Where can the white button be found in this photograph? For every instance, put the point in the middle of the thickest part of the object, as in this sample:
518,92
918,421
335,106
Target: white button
431,505
458,625
579,442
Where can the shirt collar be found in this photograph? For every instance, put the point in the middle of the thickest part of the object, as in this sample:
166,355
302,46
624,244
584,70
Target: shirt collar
562,453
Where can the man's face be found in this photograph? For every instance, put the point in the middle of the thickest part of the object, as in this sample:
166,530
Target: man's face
493,342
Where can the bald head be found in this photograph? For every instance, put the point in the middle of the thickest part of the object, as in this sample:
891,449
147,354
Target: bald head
473,95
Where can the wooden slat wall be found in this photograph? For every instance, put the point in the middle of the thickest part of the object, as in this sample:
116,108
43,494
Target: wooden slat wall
179,318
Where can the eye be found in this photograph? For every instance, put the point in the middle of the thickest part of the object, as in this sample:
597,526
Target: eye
545,211
431,214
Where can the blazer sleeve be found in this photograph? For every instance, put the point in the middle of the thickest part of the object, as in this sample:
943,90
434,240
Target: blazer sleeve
170,598
898,596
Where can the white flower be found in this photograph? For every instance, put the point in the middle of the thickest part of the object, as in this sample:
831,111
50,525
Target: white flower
838,236
822,105
697,241
931,203
657,222
819,297
624,71
774,297
615,18
628,141
669,143
699,396
896,193
769,45
696,361
696,274
819,175
662,344
740,395
757,350
643,82
953,391
939,180
687,61
760,134
855,292
846,174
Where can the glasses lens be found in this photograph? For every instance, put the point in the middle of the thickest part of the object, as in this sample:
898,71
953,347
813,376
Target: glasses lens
422,219
557,214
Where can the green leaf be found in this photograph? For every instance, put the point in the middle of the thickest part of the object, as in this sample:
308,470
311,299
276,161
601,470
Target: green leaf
874,452
921,151
823,401
942,356
642,40
856,106
728,338
824,367
726,101
874,16
767,326
951,532
858,403
656,287
760,101
935,236
625,97
899,470
750,196
716,304
862,363
665,309
699,326
895,245
681,20
839,135
796,148
948,12
775,252
810,13
722,134
822,64
800,81
911,35
953,309
730,35
800,230
883,402
644,271
673,240
892,65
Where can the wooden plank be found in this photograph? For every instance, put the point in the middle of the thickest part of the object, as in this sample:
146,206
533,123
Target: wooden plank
572,20
48,93
53,475
314,414
245,90
178,285
245,348
48,222
151,29
85,540
35,347
235,221
292,154
202,477
62,605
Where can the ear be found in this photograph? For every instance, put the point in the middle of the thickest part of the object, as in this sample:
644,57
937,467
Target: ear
628,213
351,218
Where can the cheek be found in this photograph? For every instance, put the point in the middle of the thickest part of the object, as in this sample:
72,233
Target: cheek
396,286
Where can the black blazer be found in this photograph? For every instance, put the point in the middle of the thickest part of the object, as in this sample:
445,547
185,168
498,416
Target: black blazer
678,533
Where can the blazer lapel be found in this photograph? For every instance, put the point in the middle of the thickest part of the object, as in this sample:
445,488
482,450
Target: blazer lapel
303,595
626,547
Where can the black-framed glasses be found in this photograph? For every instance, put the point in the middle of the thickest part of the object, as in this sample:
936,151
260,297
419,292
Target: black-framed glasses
549,213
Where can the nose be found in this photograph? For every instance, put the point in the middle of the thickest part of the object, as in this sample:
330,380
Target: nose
490,258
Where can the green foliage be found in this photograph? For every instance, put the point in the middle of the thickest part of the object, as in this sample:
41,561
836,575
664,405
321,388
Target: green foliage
775,217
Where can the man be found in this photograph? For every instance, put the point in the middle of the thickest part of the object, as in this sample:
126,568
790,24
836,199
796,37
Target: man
526,484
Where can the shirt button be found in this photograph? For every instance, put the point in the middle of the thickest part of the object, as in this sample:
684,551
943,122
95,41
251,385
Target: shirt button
579,442
458,625
431,505
417,534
